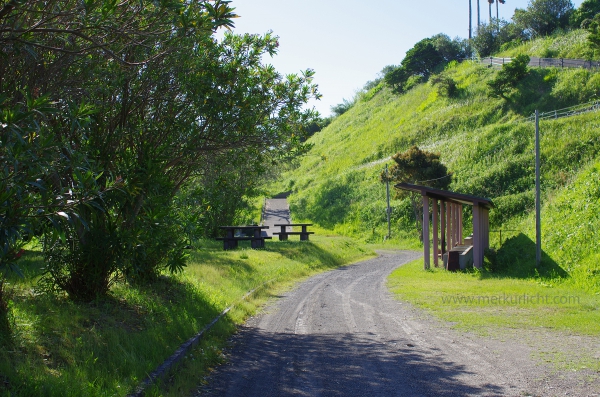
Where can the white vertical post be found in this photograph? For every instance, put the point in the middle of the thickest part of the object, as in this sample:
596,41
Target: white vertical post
426,249
435,233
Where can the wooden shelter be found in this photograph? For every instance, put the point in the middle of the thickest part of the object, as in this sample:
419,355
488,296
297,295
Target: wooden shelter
447,222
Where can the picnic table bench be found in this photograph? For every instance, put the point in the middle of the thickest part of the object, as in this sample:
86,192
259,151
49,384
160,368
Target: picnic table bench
252,233
283,234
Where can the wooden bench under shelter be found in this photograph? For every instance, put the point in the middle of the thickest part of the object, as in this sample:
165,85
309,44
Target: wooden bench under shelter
252,233
284,233
446,219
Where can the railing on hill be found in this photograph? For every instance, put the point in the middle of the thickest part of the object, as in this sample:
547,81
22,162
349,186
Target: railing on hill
543,62
565,112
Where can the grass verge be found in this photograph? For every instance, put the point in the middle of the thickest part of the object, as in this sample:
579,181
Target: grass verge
476,300
489,303
63,348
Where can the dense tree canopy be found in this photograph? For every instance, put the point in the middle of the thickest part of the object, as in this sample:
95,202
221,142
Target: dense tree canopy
112,108
586,11
423,59
542,17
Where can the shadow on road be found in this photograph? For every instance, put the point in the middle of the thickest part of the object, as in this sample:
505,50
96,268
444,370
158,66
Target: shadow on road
286,364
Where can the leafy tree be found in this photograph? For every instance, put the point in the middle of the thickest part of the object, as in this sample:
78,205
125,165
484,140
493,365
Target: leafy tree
396,79
380,77
542,17
586,11
491,37
423,59
159,97
509,77
594,36
451,50
418,167
342,108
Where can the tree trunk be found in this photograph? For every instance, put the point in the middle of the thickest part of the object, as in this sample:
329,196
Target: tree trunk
478,17
470,19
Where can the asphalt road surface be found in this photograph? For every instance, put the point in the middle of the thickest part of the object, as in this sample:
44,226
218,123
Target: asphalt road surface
341,333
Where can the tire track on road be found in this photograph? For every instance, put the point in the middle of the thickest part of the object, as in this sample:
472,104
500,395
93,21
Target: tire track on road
342,333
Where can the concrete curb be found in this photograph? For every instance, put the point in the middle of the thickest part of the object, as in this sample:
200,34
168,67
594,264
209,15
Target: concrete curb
169,363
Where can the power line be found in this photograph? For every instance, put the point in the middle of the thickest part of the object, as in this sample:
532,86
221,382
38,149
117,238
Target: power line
436,179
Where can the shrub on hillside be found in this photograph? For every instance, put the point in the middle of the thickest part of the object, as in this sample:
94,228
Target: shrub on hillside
444,85
508,77
419,167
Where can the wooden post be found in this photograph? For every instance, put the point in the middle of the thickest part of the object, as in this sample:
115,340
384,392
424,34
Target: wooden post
443,228
486,229
449,226
426,250
461,240
435,233
477,262
456,224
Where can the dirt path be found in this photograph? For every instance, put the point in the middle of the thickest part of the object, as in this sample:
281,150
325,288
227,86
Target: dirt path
276,211
342,334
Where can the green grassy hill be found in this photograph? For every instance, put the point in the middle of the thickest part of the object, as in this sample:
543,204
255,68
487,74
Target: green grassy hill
487,143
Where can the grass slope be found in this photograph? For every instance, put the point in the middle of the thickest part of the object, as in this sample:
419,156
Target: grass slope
489,146
64,348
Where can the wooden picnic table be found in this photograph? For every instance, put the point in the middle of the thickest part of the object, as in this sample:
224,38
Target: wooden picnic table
256,236
284,233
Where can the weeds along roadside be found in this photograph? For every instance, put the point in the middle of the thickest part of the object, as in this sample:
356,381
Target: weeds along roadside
59,347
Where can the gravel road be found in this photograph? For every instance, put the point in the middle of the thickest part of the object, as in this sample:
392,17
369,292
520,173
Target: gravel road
341,333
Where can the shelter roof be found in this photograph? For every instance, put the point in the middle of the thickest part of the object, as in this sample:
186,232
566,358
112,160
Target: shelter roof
446,195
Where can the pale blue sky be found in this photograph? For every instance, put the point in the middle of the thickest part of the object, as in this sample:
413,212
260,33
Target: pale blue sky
347,42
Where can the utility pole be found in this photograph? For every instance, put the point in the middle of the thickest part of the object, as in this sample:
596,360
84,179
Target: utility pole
478,17
538,224
389,210
470,19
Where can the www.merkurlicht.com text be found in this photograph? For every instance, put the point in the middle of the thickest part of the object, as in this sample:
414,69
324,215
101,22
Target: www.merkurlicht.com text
505,299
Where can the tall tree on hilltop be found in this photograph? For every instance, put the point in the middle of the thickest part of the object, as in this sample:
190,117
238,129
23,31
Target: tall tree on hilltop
542,17
586,12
